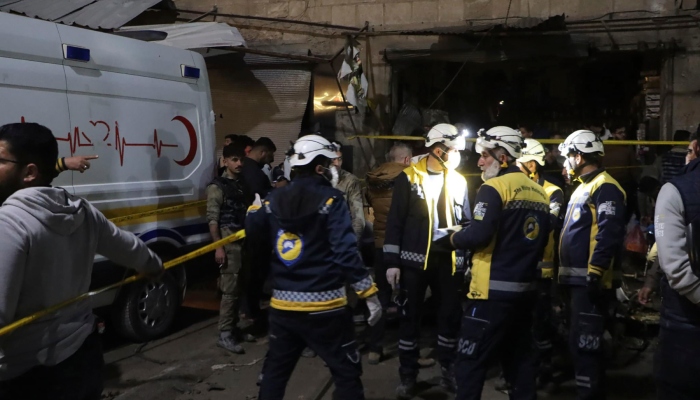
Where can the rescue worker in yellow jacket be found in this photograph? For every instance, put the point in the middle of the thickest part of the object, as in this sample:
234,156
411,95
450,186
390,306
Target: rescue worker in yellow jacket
532,163
592,236
429,198
507,234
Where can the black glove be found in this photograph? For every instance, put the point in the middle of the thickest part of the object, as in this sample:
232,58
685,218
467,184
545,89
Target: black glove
594,284
444,243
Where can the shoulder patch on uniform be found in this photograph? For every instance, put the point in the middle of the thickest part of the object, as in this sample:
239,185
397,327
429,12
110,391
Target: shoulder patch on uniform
480,210
607,208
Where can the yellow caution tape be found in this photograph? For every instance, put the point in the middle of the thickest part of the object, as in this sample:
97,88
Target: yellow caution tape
543,141
157,211
167,265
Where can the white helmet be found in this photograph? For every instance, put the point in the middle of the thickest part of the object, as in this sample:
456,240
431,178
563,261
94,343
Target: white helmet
446,134
582,141
308,147
533,151
500,136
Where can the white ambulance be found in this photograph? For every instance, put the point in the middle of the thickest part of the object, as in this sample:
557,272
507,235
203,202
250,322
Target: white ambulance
145,109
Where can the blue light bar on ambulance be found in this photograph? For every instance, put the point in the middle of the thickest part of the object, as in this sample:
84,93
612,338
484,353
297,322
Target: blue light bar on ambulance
190,72
76,53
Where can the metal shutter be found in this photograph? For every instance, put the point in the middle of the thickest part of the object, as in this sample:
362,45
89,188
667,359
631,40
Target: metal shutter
260,96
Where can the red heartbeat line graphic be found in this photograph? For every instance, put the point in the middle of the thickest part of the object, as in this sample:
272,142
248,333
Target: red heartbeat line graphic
78,138
75,140
122,145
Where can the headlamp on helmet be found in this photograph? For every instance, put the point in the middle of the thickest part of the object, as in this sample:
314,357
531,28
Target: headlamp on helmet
308,147
500,136
582,142
447,135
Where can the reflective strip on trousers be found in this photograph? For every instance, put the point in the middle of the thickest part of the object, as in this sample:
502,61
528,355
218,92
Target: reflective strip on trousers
502,286
583,381
568,271
392,248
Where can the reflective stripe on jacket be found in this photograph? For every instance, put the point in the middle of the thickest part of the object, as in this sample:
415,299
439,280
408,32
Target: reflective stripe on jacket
409,226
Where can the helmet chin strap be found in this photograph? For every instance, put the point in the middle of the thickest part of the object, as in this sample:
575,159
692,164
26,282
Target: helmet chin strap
532,175
439,159
492,154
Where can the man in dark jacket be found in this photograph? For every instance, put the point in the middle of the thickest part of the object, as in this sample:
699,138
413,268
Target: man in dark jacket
429,198
380,186
263,153
677,224
307,225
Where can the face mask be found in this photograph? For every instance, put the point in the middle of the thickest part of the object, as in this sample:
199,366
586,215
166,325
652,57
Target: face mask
491,171
331,174
453,160
570,167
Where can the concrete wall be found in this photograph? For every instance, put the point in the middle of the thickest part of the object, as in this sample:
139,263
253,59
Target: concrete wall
681,93
386,14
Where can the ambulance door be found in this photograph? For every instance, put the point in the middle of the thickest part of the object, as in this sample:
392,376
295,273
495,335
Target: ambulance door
131,105
32,81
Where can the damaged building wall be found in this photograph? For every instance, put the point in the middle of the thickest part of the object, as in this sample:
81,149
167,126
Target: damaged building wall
679,97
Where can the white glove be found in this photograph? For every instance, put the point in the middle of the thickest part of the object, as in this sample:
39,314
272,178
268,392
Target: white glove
257,201
375,310
392,276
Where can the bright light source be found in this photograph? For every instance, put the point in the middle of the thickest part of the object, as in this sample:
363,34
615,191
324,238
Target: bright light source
465,132
501,102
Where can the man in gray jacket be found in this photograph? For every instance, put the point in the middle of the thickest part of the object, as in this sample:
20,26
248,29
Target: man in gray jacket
49,241
677,224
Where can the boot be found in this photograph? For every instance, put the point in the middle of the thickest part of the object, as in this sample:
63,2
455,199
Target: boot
426,362
448,381
406,388
374,358
308,353
228,341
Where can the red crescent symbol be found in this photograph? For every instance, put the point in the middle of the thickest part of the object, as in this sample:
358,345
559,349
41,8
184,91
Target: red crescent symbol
193,141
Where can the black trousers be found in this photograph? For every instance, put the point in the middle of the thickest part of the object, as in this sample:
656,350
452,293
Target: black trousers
446,288
587,318
79,377
494,330
543,330
375,334
331,334
677,365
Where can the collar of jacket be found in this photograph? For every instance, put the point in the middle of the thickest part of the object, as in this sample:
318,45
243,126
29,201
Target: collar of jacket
227,175
417,173
691,166
315,180
386,172
250,160
511,169
591,175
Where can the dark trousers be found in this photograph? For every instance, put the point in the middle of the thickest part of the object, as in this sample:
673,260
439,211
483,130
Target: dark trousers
494,330
331,334
375,334
677,365
79,377
587,318
445,288
543,330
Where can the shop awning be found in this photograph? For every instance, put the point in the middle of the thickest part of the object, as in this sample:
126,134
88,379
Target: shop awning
196,35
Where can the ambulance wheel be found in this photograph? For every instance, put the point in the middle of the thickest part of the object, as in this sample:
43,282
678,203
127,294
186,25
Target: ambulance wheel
145,310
